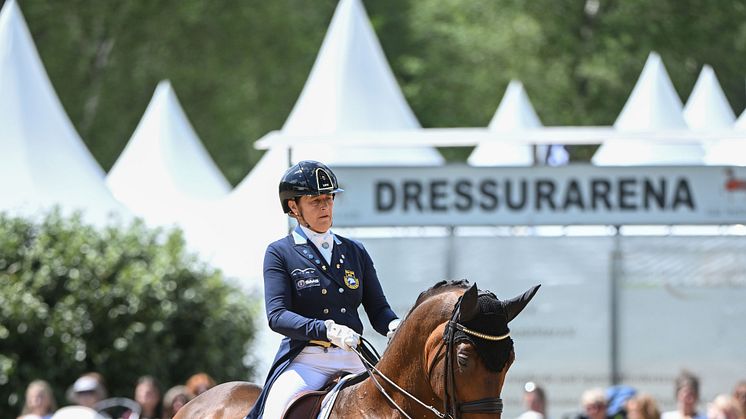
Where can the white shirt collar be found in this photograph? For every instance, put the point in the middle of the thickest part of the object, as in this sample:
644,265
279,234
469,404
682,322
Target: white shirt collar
318,238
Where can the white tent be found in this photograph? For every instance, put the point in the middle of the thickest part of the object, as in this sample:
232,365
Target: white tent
514,113
652,105
164,171
731,151
741,122
247,220
43,161
708,109
352,88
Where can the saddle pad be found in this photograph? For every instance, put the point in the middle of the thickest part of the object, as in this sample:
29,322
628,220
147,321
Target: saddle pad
331,397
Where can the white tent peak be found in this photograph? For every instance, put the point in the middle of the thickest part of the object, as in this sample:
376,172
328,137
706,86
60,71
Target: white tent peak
164,163
707,107
515,112
652,105
43,161
352,88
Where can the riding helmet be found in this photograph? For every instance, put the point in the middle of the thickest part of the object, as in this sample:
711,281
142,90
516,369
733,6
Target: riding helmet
308,177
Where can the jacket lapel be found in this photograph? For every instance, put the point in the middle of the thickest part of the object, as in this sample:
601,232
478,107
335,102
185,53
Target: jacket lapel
308,251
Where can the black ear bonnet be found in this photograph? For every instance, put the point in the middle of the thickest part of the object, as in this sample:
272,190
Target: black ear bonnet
489,318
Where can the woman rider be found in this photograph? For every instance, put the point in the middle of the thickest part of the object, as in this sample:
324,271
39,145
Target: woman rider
314,282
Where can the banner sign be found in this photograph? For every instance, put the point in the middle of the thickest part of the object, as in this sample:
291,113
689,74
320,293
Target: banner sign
455,195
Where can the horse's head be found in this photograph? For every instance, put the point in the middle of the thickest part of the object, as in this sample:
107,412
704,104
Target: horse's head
467,357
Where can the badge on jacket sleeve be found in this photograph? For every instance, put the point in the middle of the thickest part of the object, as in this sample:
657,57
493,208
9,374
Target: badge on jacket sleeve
350,280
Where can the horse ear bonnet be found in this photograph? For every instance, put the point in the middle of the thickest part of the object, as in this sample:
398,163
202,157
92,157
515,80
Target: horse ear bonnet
483,312
490,318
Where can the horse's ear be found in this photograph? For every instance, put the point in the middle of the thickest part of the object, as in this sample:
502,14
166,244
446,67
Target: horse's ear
514,306
468,308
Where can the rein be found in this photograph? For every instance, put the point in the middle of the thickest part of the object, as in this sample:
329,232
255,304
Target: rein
451,406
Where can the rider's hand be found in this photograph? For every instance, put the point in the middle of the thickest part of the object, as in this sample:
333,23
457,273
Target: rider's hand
341,335
393,325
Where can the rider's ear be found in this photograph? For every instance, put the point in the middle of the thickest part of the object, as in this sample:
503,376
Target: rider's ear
517,304
468,308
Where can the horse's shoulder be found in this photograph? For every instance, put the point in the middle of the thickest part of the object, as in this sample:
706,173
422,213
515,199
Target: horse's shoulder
237,389
226,400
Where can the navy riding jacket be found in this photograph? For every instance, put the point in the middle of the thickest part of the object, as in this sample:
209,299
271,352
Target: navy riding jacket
301,290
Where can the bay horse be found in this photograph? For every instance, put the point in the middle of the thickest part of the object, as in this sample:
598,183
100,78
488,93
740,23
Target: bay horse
448,359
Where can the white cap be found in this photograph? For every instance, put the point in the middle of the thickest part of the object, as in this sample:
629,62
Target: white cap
85,383
76,412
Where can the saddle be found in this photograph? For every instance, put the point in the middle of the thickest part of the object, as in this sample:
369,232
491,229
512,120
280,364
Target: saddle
307,404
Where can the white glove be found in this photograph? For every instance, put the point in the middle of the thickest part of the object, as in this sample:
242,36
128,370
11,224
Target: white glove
341,335
393,325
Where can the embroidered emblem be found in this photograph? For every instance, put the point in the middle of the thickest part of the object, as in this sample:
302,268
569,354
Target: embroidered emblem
307,283
305,278
350,280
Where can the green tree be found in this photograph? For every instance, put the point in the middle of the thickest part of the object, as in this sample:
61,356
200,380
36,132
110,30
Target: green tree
123,302
238,67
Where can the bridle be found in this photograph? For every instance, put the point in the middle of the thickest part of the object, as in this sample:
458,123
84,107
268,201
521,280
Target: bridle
451,406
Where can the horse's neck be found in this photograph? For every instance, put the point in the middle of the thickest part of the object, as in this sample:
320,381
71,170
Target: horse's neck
402,363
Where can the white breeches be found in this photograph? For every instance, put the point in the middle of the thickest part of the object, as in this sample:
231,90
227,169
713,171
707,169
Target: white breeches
310,370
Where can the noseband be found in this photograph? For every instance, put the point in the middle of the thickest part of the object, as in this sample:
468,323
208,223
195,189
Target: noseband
451,406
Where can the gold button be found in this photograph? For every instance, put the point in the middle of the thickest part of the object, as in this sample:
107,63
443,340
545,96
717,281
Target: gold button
323,267
338,266
343,310
326,311
341,290
323,291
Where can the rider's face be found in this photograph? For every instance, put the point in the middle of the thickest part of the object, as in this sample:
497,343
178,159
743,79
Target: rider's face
317,211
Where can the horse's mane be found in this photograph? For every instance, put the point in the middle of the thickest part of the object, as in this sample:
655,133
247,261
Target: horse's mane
439,288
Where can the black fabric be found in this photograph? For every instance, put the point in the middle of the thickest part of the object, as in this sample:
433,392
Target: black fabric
492,320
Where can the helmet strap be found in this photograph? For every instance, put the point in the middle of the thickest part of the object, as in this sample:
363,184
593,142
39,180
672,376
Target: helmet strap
297,213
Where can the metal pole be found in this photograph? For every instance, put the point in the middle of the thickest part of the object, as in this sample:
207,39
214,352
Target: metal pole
451,249
615,274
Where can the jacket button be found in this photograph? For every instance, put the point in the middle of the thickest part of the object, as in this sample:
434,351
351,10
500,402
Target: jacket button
341,290
343,310
326,311
323,291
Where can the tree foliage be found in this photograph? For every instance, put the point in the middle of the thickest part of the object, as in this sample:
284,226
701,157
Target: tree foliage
238,67
123,302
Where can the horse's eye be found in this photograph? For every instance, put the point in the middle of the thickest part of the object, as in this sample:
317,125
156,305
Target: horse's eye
462,360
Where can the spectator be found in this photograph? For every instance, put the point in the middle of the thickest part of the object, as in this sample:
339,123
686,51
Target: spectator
87,390
40,402
725,406
175,398
642,406
616,400
739,393
594,404
199,383
534,400
687,398
148,396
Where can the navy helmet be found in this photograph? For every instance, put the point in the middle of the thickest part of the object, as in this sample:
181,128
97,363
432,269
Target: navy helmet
308,177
